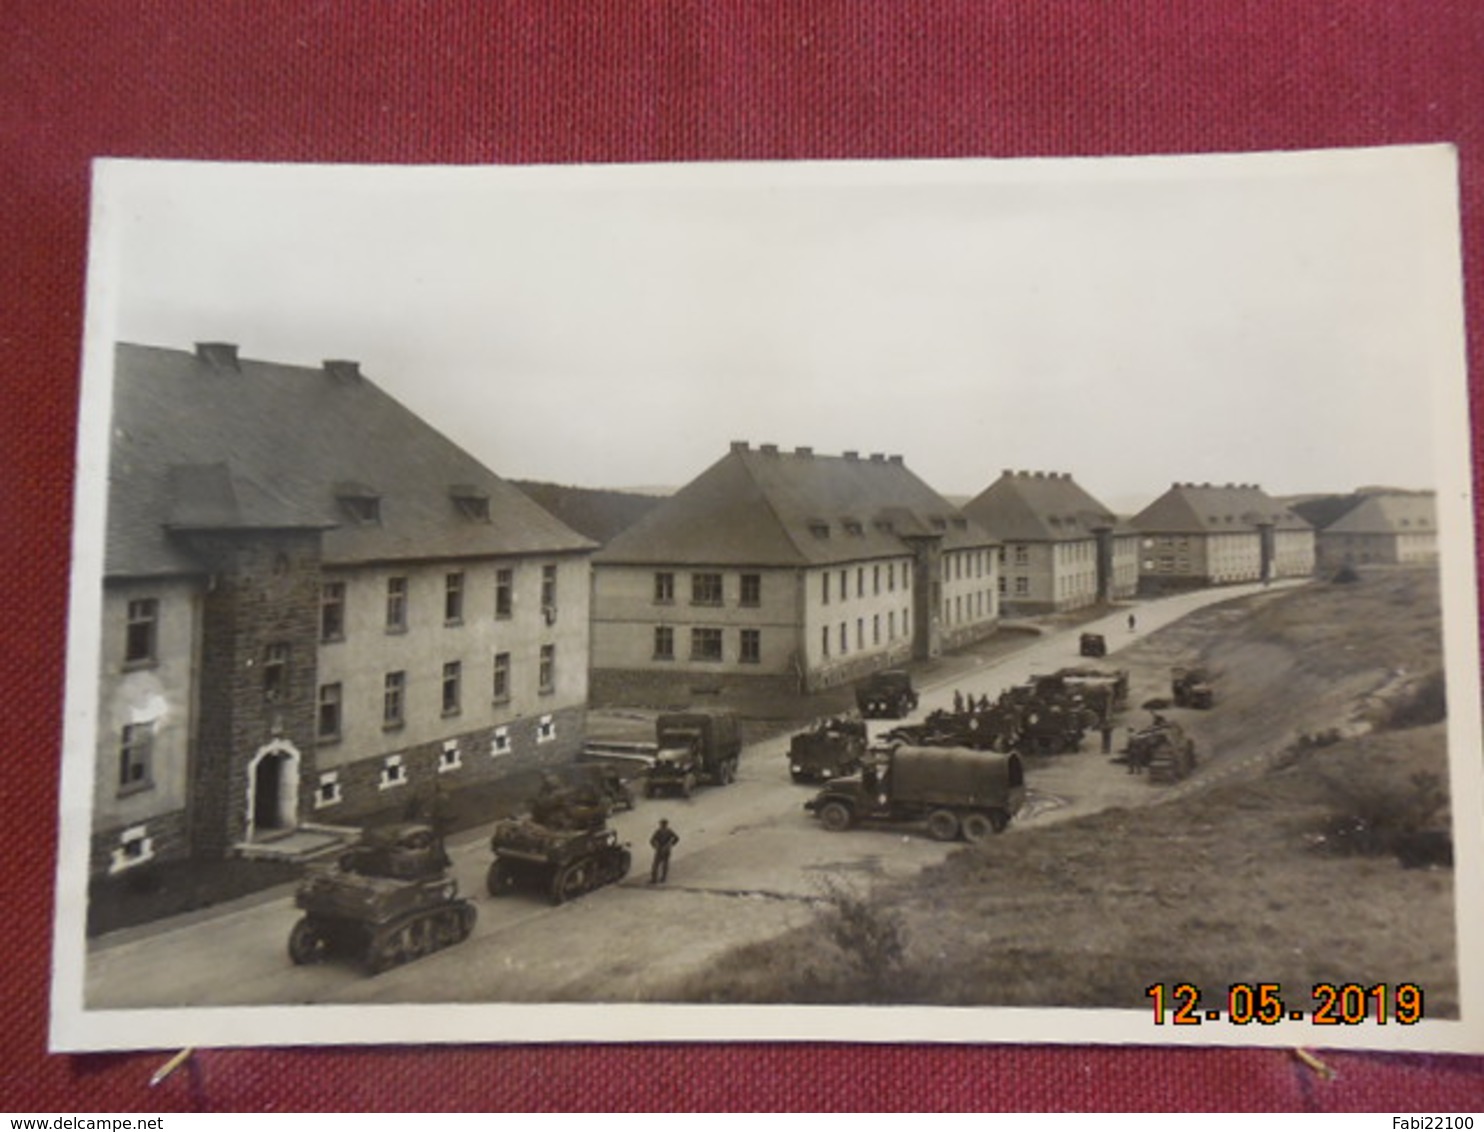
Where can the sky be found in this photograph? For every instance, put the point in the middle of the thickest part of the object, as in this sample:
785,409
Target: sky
1290,320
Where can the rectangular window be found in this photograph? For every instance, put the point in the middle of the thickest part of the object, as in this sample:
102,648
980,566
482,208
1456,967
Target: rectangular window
140,636
453,675
548,587
844,584
844,639
502,677
705,589
891,577
396,605
332,612
327,713
393,772
824,589
545,729
860,581
860,633
449,757
393,696
824,641
275,671
876,579
1003,580
504,592
453,599
664,643
136,757
327,792
1022,587
750,646
1022,555
547,678
891,625
752,589
500,742
705,644
875,628
664,589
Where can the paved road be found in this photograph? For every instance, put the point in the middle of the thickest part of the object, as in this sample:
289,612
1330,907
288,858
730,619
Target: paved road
751,863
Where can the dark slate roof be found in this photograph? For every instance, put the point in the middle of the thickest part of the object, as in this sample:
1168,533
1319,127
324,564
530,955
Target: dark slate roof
1040,507
202,441
1398,514
763,507
1203,508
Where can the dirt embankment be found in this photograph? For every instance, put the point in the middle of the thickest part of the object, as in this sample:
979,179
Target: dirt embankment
1328,721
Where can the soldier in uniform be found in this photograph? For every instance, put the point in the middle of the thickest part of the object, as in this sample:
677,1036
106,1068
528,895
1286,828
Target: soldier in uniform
662,841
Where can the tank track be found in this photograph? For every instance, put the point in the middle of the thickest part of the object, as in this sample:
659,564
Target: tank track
380,947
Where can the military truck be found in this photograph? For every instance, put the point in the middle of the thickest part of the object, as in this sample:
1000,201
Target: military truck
1191,688
387,900
694,747
1092,644
957,791
831,749
886,695
1162,749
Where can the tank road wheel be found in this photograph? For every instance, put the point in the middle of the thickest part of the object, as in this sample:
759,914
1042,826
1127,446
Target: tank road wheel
571,881
307,944
978,828
835,817
500,880
942,825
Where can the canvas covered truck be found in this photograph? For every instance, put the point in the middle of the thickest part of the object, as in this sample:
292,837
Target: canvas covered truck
886,695
956,791
831,749
694,747
387,900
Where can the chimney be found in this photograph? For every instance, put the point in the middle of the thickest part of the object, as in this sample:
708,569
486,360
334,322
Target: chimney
852,455
739,446
218,355
1007,472
878,457
804,451
342,370
768,449
893,459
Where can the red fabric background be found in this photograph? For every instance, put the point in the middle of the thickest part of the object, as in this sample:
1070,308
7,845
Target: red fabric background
635,80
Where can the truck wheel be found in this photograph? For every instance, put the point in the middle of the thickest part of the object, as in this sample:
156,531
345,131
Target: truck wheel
942,825
306,944
728,773
835,816
978,828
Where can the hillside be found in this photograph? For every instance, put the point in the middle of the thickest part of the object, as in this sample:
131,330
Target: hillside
1321,767
595,512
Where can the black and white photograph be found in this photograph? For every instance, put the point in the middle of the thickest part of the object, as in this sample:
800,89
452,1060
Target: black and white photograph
883,601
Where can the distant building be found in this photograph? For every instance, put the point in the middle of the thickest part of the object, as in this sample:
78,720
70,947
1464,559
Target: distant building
1392,527
1060,548
1212,534
788,568
315,607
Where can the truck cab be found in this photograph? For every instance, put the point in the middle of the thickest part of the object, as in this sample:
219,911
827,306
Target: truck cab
694,747
887,694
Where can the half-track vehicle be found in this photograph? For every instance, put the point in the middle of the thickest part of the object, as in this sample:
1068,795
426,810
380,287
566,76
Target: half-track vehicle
694,747
386,901
957,791
887,694
1092,644
1100,692
832,749
1191,688
1053,718
1162,750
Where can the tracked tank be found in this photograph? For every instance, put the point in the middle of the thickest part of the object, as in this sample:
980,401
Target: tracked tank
387,901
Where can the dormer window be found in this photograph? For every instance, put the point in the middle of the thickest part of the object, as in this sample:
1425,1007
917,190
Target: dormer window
471,502
962,524
852,527
359,503
819,529
939,523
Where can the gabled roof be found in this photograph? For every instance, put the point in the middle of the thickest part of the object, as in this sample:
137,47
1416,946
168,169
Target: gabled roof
1389,514
1203,508
1040,507
763,507
205,441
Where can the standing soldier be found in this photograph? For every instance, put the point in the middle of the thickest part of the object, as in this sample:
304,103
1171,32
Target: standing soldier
1133,623
958,702
662,841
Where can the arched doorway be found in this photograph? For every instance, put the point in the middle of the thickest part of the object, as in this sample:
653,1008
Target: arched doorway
273,790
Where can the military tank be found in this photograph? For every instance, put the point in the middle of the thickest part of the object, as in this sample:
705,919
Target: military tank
563,849
385,902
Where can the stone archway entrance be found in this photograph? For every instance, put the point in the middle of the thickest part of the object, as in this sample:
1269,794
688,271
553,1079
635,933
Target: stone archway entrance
273,790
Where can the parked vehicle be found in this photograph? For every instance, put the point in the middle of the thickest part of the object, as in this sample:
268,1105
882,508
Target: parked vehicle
886,695
957,791
388,900
831,749
1191,688
1093,644
1163,750
694,747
